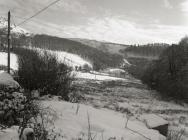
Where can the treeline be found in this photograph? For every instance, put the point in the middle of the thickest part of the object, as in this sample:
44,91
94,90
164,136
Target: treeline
148,50
169,74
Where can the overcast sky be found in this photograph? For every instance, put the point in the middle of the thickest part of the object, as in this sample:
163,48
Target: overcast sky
121,21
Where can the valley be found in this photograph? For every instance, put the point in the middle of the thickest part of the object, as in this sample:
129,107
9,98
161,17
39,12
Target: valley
98,93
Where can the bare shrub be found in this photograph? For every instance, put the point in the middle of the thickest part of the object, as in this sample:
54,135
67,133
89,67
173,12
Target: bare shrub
43,72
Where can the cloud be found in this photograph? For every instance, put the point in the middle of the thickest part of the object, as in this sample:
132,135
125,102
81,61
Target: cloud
184,9
167,4
113,29
124,21
70,6
184,6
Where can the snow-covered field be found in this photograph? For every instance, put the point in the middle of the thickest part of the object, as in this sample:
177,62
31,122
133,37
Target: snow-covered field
94,76
70,59
106,107
130,95
104,124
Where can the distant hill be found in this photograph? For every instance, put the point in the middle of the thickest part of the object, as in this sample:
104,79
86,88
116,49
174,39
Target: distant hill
150,51
99,59
112,48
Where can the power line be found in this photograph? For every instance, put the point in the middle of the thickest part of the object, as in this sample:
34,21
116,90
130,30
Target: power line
38,12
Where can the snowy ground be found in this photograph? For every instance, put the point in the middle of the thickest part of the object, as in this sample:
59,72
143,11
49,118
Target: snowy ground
13,60
94,76
131,95
105,124
107,100
106,105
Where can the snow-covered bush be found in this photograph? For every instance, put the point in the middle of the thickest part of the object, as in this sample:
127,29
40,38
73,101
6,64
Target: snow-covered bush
43,72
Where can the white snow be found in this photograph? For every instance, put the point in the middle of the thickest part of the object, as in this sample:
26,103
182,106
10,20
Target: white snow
14,29
105,124
19,30
115,70
3,22
70,59
92,76
126,62
99,73
13,60
9,133
153,120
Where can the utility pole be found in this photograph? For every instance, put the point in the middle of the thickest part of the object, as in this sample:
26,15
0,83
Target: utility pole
8,36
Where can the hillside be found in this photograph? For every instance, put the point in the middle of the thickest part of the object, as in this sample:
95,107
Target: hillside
98,58
169,74
103,46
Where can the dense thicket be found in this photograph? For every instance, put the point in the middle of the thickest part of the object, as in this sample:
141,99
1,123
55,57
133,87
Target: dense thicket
148,50
169,74
138,67
43,72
